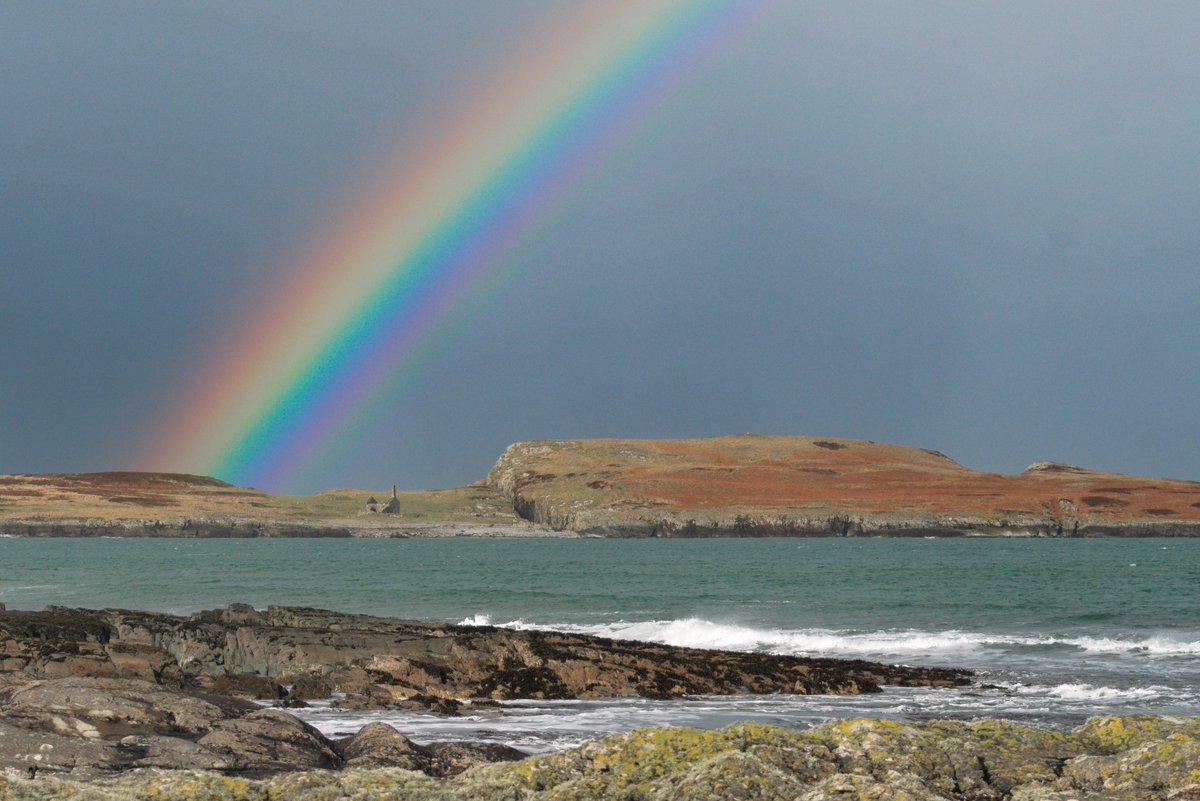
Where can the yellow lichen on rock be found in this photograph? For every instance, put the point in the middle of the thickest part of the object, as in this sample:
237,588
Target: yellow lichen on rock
1132,759
1111,735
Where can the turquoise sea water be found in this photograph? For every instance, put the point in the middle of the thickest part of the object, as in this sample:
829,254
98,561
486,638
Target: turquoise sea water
1056,629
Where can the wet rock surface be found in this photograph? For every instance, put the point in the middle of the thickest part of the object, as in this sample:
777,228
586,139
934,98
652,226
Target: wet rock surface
1122,759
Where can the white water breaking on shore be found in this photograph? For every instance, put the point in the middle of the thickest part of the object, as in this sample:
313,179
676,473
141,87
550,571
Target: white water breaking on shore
541,726
700,633
1046,680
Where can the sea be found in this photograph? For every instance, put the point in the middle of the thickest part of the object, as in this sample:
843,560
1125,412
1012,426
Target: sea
1055,630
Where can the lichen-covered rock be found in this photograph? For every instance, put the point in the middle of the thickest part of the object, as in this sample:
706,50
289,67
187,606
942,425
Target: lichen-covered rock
1009,755
858,760
894,786
1171,764
955,759
731,776
1111,735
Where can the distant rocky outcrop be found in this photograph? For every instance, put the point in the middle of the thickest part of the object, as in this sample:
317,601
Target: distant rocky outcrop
1107,759
809,486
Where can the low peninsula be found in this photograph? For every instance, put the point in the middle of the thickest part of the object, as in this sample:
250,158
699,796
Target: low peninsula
741,486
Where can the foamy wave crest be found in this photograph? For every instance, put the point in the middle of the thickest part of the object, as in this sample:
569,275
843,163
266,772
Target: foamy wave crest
515,625
1088,692
699,633
1159,646
696,632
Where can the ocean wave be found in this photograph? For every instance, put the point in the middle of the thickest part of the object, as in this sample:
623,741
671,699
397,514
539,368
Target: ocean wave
700,633
1160,646
1088,692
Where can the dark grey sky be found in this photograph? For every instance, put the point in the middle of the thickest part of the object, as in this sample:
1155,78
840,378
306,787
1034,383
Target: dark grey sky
964,226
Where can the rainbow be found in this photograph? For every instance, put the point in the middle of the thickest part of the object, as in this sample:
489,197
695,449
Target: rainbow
361,302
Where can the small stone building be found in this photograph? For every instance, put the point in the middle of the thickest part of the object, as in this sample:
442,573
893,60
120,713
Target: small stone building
393,506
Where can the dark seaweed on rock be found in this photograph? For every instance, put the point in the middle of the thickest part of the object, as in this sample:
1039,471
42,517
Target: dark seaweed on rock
386,663
97,692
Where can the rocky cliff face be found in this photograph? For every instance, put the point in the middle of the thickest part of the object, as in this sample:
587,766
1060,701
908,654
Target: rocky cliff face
806,486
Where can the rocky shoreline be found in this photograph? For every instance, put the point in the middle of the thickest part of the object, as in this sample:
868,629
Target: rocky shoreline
86,693
539,527
247,528
866,526
106,705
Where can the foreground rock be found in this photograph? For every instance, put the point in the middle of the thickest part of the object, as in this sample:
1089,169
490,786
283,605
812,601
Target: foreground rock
378,745
384,663
90,728
1126,759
